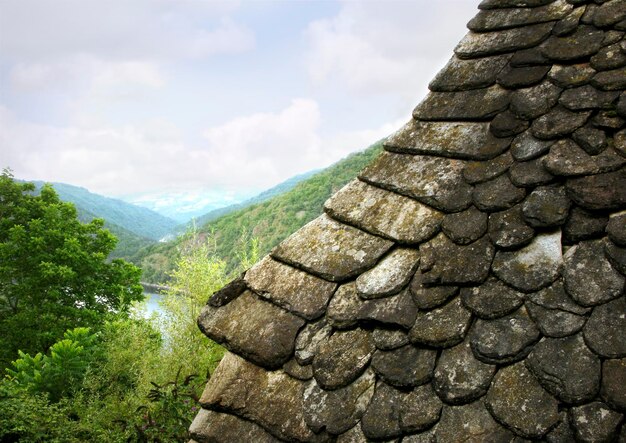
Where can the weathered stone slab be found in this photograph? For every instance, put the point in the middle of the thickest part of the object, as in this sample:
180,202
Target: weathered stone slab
569,23
498,4
518,400
298,292
462,75
390,275
605,331
444,262
616,228
434,181
497,194
442,327
607,120
511,77
339,410
558,123
470,423
298,371
507,229
546,206
476,45
595,422
492,299
609,13
428,297
613,80
620,142
476,104
616,256
482,171
496,19
507,124
389,339
601,191
533,267
342,358
420,409
555,297
526,147
570,76
529,57
270,399
566,368
211,426
465,140
587,97
405,367
465,227
613,381
589,277
354,435
566,158
331,250
266,337
592,140
532,102
530,173
554,322
583,225
346,309
459,377
308,340
584,42
504,340
384,213
609,57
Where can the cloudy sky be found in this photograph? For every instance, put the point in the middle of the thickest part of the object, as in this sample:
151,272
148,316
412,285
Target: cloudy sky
152,96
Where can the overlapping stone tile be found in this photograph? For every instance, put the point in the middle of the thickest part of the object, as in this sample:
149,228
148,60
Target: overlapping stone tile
605,331
465,227
530,173
405,367
584,42
384,213
497,194
616,228
526,147
612,80
600,191
583,225
482,171
476,104
428,297
470,423
211,426
331,250
566,158
435,181
546,207
442,327
508,230
535,101
587,97
295,290
595,422
390,275
496,19
511,77
558,123
476,45
389,339
492,299
570,76
609,13
613,381
462,75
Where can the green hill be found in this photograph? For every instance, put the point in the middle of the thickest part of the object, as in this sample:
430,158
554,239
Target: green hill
269,221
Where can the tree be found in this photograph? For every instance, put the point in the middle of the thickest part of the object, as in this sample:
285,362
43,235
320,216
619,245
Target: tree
54,273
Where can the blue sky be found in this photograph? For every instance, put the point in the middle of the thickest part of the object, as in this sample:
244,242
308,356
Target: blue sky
164,97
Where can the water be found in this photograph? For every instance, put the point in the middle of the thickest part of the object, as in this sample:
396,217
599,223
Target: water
152,304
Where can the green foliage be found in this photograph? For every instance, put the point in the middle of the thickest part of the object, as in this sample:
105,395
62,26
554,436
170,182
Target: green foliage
270,221
53,270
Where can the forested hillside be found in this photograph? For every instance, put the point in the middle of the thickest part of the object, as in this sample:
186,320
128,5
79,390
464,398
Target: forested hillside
270,221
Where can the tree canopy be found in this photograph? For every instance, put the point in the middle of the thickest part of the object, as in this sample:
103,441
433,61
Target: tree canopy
54,273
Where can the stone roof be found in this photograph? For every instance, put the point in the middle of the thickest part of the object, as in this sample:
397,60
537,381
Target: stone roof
469,285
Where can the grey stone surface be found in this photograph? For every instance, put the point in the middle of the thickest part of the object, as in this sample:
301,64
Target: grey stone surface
589,277
607,120
616,256
470,423
339,410
535,101
507,124
476,104
388,339
460,75
587,97
546,206
497,194
496,19
601,191
504,340
592,140
459,377
555,322
342,358
568,24
532,267
309,339
563,432
609,57
298,371
435,181
499,4
492,299
612,80
605,331
558,122
384,213
510,77
212,426
595,422
444,262
482,171
465,140
528,58
405,367
295,290
613,381
354,435
266,337
420,409
584,42
390,275
476,45
442,327
428,297
382,418
465,227
330,249
518,400
507,229
616,228
609,13
566,368
582,225
570,76
530,173
566,158
526,147
271,399
619,141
